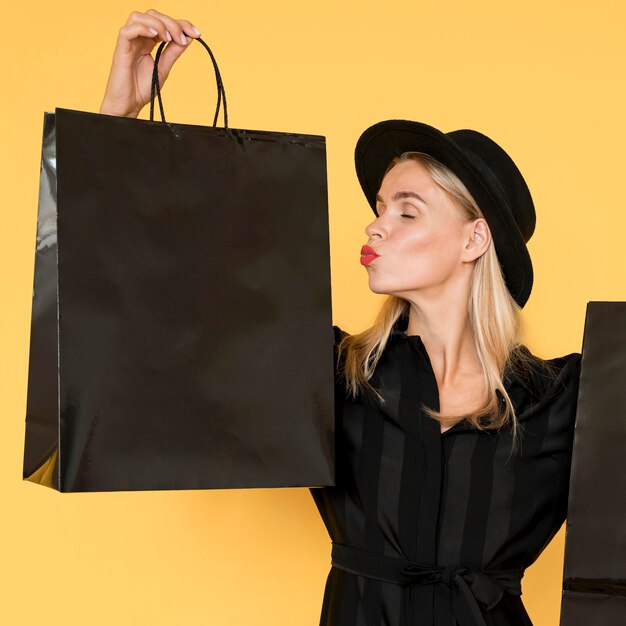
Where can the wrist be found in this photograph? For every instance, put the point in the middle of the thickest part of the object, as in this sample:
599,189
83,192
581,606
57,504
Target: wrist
107,109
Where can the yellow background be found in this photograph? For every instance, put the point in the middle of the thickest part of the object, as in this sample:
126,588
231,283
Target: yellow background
544,79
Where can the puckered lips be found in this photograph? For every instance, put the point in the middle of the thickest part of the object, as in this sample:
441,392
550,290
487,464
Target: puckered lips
368,255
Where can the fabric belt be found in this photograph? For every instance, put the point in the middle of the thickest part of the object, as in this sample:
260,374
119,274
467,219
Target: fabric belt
468,587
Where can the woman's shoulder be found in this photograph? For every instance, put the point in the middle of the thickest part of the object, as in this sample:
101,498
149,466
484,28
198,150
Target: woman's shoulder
542,382
339,333
533,369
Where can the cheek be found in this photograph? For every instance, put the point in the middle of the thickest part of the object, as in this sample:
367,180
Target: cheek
447,240
433,245
431,257
446,246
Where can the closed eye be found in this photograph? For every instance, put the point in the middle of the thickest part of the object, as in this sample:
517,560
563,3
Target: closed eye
412,207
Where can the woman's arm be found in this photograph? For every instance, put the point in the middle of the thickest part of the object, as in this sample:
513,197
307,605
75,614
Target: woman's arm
130,79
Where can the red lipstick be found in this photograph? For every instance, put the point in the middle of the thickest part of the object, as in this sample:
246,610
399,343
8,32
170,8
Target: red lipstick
368,255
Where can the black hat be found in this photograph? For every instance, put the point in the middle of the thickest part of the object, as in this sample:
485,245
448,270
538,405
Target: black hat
485,168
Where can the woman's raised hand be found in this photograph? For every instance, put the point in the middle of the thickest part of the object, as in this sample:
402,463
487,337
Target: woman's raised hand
130,79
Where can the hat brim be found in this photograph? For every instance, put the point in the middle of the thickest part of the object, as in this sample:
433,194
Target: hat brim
383,141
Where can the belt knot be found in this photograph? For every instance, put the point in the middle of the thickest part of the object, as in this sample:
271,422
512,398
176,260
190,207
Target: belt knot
448,573
468,587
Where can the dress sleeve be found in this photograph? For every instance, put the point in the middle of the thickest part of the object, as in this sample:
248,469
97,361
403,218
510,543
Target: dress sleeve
569,385
339,335
566,411
563,394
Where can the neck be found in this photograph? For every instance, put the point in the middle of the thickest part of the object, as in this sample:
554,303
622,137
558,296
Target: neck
444,328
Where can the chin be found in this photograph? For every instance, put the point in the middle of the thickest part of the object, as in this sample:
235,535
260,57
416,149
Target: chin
382,289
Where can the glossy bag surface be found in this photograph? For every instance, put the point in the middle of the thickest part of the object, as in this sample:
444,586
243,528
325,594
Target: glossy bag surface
594,588
181,334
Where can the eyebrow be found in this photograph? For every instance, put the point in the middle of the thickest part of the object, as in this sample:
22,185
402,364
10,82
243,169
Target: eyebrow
403,194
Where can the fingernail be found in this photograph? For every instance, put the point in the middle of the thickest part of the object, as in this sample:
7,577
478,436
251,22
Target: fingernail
183,39
167,34
195,30
153,31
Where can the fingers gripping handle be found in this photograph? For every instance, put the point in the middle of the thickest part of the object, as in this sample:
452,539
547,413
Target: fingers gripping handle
156,87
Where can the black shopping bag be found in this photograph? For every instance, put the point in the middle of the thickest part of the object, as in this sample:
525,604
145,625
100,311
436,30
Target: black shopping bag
594,585
181,331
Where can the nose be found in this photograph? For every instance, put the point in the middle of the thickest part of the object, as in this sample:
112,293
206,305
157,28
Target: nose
374,229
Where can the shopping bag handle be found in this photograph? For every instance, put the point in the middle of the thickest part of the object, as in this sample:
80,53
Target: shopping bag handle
156,87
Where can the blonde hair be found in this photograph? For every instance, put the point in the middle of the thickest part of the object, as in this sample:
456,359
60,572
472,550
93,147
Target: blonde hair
497,344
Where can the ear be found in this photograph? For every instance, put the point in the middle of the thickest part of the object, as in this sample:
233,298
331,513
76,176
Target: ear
477,240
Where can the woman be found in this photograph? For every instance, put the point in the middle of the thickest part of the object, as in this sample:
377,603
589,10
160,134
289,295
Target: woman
453,441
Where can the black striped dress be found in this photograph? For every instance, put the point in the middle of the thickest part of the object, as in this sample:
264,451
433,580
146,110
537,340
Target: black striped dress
436,529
